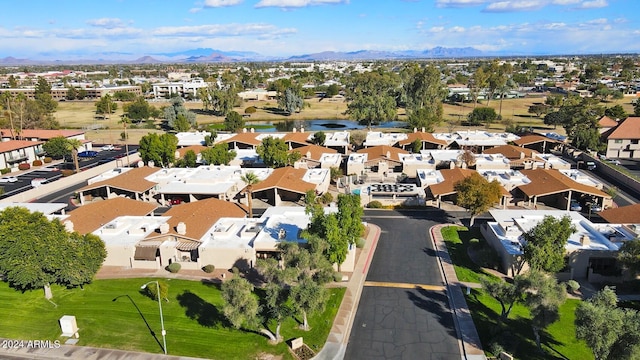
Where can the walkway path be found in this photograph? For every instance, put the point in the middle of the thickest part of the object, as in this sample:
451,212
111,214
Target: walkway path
466,329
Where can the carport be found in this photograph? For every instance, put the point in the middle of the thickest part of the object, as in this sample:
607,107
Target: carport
131,184
552,188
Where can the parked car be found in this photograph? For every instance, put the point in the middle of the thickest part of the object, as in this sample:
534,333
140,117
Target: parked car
8,179
591,165
613,161
108,148
575,206
595,207
88,154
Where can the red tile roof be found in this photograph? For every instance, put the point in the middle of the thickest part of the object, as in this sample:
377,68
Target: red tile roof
607,122
629,128
380,152
11,145
622,215
315,151
511,152
286,178
132,180
551,181
297,137
42,134
422,136
195,148
90,217
245,138
532,139
451,177
199,216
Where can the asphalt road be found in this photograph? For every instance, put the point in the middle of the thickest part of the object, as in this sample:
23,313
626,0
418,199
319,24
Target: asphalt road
52,172
404,311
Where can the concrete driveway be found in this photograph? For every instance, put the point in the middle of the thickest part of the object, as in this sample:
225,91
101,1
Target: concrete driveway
404,310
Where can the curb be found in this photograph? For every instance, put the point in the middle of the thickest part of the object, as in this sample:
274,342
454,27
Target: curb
468,339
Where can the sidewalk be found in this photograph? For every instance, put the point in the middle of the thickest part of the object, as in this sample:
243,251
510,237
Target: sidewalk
465,328
336,345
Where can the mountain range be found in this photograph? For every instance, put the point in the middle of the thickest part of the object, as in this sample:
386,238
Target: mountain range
208,55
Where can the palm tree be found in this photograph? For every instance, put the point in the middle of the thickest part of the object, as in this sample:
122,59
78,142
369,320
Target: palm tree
124,121
250,178
73,145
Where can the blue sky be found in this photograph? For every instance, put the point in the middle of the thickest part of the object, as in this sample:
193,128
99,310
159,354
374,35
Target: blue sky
68,28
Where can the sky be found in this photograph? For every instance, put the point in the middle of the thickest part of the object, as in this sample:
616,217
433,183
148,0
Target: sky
78,28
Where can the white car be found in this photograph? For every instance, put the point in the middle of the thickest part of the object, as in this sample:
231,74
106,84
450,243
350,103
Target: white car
8,179
613,161
108,147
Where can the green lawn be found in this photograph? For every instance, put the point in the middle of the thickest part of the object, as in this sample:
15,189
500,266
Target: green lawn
457,240
516,336
192,318
558,341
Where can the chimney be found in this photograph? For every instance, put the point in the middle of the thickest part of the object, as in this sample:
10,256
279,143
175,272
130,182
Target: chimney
151,163
295,129
164,228
253,130
415,130
301,129
423,129
68,225
181,228
585,240
388,154
308,154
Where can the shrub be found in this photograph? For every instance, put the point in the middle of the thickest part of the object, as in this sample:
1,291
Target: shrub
151,290
326,198
337,277
24,166
573,286
47,160
360,243
5,171
375,204
208,268
174,267
66,172
250,110
37,163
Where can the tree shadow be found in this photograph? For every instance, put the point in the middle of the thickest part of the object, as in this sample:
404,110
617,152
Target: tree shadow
203,312
436,303
143,319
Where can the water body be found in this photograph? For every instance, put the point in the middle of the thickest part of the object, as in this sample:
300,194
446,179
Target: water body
320,125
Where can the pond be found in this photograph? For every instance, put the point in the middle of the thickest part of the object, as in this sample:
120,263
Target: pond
318,125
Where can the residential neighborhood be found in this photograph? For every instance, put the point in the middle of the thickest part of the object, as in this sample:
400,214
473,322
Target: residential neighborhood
185,179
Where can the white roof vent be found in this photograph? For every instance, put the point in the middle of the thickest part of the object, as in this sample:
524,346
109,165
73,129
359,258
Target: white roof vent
181,228
164,228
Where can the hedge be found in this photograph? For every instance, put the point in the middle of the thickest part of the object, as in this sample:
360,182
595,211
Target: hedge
24,166
174,267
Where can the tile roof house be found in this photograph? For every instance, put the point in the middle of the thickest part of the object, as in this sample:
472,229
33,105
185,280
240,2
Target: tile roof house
312,155
15,152
624,140
622,215
130,183
90,217
606,123
284,184
427,140
40,135
179,238
541,144
445,190
247,140
383,157
519,157
556,189
591,250
296,139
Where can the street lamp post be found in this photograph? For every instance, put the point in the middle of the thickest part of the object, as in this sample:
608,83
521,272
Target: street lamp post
164,333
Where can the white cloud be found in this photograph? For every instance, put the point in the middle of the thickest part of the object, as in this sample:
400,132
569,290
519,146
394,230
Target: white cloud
565,2
195,10
107,23
459,3
222,30
297,3
510,6
220,3
595,4
597,21
436,29
457,29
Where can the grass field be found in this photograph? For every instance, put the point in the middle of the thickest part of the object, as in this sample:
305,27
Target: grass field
81,115
516,335
113,314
